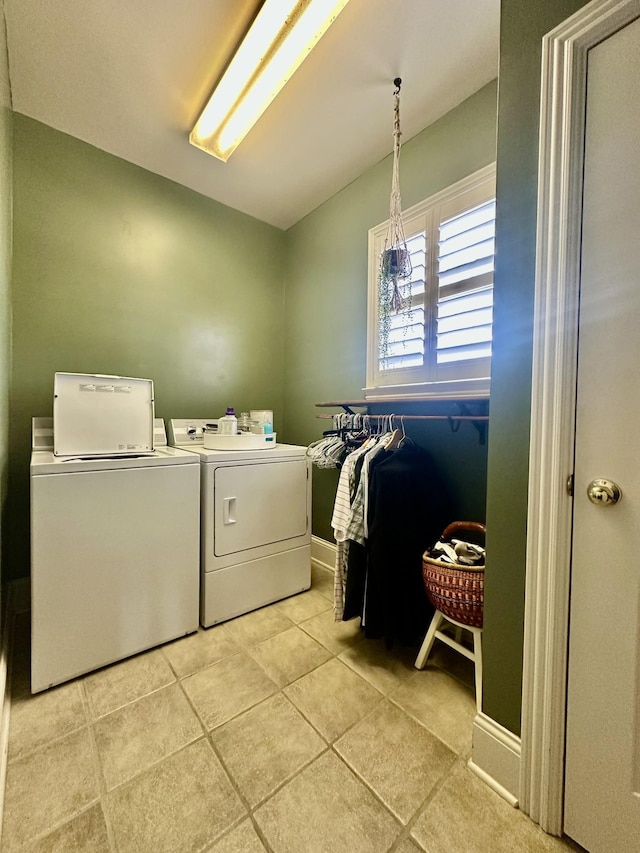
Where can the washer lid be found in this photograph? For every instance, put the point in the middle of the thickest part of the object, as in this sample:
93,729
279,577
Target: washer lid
96,415
44,462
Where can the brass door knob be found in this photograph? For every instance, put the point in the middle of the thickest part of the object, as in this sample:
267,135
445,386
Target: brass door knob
604,492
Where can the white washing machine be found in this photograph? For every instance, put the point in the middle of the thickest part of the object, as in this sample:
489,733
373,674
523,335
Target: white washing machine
114,554
255,523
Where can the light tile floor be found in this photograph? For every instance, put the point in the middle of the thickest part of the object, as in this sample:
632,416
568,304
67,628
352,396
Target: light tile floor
279,731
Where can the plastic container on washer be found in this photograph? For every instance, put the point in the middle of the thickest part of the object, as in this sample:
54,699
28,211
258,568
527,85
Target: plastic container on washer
263,416
228,424
244,422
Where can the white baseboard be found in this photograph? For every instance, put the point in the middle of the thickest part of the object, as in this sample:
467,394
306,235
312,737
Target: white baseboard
495,757
323,553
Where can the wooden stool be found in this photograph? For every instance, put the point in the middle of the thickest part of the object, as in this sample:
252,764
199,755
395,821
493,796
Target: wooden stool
434,633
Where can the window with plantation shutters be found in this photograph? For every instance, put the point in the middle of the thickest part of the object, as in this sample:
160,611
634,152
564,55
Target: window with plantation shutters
439,342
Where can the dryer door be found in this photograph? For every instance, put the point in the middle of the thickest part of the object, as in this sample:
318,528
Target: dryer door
258,504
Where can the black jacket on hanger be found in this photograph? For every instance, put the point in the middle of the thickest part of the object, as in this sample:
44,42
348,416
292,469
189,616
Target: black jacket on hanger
408,509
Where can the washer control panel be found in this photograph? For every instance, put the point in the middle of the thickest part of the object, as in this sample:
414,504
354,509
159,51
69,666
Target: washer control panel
185,432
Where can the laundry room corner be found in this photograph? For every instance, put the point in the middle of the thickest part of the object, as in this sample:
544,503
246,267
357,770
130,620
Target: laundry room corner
132,277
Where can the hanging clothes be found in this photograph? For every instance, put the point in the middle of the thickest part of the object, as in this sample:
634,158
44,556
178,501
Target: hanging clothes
391,504
408,508
356,557
340,521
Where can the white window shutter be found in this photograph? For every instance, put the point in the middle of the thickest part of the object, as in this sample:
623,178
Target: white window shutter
466,251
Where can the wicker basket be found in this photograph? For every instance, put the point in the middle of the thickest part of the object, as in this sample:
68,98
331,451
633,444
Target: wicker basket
456,591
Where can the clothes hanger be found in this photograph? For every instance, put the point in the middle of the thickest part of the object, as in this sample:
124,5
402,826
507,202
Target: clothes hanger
396,436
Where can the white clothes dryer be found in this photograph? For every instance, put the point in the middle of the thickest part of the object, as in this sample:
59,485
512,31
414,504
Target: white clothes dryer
114,555
255,523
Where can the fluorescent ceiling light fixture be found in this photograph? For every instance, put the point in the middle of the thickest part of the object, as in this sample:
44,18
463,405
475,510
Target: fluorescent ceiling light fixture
281,37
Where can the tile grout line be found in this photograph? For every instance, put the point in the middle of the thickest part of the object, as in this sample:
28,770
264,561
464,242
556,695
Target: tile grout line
306,765
210,732
102,787
329,744
406,828
207,735
95,722
430,797
29,753
252,809
413,717
330,748
96,770
95,717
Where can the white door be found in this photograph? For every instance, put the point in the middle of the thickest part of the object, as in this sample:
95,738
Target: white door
602,780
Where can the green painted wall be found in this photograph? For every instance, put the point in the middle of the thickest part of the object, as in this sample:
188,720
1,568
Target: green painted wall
326,305
120,271
6,191
522,26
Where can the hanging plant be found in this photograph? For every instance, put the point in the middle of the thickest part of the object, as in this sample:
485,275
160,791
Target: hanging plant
385,293
394,263
395,258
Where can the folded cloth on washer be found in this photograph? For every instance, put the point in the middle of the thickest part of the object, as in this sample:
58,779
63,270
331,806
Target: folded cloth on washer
458,551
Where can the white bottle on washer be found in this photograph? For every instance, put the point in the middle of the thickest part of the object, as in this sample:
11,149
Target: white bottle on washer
228,425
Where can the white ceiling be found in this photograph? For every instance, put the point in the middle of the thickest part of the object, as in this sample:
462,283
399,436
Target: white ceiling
130,76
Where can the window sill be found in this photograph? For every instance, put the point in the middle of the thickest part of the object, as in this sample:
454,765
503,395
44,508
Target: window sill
460,389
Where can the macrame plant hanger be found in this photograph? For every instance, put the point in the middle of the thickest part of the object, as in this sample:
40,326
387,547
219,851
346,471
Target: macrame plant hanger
395,259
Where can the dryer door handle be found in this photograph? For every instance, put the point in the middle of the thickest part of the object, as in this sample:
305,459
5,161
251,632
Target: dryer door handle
228,510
